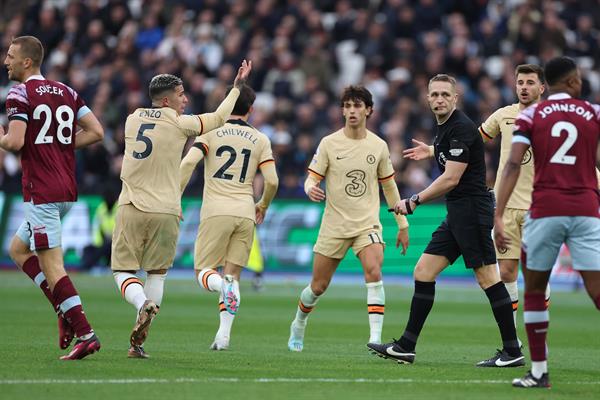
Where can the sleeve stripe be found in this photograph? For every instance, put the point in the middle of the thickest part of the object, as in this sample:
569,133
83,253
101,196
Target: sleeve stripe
19,117
386,178
266,161
83,111
201,124
203,147
484,133
316,173
521,139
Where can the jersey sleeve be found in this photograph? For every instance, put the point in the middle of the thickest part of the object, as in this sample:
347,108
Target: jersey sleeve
523,125
461,138
17,104
490,128
190,124
81,109
266,154
320,161
202,142
385,169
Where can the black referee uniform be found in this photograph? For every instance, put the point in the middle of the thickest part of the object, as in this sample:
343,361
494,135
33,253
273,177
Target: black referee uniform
467,228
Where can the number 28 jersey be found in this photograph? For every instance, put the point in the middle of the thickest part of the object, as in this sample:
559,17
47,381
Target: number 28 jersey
563,133
233,153
154,142
352,169
51,110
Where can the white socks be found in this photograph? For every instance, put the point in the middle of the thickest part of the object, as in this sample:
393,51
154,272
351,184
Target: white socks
513,292
210,280
226,321
376,308
538,368
131,288
307,302
155,284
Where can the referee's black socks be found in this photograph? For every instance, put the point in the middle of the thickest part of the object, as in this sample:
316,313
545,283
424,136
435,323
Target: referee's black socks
502,308
420,306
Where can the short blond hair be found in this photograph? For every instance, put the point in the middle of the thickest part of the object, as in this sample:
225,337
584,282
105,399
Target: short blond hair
30,47
443,78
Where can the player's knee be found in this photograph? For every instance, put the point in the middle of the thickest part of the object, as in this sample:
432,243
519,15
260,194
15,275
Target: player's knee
508,276
19,252
373,274
319,287
509,270
423,274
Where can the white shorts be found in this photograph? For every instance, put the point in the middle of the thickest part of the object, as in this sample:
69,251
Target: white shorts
542,238
42,228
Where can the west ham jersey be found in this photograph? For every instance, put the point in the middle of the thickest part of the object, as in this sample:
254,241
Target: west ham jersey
51,110
563,133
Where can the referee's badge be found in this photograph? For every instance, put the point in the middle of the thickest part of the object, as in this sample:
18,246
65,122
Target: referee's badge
456,152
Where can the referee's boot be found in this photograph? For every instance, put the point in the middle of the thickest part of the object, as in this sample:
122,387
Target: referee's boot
503,360
392,351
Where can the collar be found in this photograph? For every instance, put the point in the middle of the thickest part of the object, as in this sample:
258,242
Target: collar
35,77
559,96
239,122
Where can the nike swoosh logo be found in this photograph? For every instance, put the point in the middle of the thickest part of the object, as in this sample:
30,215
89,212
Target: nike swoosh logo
509,122
501,363
391,352
340,158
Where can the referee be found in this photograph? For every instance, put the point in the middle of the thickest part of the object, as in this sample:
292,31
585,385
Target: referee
458,150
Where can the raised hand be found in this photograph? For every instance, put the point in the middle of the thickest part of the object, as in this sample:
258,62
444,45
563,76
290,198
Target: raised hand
242,74
421,151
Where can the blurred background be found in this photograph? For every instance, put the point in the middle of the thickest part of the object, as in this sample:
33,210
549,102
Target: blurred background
303,52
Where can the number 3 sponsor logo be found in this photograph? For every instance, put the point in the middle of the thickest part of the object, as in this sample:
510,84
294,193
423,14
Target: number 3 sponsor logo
357,186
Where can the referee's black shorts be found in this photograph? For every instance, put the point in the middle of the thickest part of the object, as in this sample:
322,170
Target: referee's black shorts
467,230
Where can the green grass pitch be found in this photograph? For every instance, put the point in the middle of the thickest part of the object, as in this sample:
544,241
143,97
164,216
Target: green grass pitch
334,364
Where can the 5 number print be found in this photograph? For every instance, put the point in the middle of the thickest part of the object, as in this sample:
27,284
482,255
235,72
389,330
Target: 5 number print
147,141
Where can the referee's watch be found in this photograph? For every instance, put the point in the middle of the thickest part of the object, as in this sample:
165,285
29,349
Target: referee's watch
415,199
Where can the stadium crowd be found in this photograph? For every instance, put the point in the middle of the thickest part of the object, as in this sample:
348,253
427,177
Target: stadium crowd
303,52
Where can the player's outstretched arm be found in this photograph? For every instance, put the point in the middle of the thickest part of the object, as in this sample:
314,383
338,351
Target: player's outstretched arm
91,131
312,189
392,196
442,185
186,168
421,151
14,140
269,172
218,118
